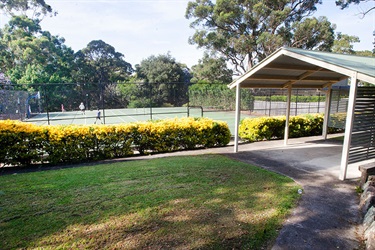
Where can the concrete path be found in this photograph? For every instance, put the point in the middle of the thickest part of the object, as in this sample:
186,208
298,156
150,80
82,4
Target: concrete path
327,216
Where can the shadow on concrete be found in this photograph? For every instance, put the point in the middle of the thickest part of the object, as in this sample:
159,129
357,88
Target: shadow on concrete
327,216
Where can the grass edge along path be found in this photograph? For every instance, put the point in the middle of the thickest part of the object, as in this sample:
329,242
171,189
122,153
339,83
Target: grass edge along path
182,202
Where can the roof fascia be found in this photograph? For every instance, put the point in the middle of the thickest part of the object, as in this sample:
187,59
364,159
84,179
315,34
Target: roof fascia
366,78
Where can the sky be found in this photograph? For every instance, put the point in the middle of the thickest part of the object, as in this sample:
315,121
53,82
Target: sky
141,28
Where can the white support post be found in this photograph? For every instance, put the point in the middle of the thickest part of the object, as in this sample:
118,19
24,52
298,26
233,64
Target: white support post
327,108
348,127
237,119
289,97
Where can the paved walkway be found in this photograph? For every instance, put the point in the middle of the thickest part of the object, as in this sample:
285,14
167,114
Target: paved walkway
327,216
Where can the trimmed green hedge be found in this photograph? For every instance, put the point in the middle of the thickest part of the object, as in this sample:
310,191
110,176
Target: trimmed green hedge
25,144
268,128
294,98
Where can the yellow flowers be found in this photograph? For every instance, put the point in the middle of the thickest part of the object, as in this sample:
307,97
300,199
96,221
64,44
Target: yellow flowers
268,128
26,143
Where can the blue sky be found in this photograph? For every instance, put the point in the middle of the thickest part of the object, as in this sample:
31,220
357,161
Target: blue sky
141,28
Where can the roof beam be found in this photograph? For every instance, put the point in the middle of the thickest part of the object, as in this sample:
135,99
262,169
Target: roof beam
294,78
300,77
277,86
277,66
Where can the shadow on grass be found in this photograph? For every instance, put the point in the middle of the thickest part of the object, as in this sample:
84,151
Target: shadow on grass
208,202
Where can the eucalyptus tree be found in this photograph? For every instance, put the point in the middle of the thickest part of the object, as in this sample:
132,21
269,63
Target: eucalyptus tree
343,44
31,55
246,31
100,65
21,7
99,62
163,80
343,4
211,69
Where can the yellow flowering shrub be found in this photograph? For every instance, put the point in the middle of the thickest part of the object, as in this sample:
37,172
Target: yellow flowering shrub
268,128
21,143
180,133
25,143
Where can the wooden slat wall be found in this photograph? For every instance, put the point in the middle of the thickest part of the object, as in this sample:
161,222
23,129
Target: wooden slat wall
362,145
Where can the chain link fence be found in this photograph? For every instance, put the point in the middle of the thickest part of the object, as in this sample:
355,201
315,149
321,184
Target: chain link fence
24,101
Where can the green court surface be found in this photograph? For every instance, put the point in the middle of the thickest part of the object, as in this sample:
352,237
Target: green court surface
116,116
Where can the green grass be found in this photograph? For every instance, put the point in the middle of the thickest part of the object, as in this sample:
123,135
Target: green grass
209,202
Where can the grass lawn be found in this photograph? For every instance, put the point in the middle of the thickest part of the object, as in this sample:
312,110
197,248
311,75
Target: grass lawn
189,202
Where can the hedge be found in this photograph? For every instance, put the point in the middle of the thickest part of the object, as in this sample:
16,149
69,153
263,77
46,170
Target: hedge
294,98
268,128
26,144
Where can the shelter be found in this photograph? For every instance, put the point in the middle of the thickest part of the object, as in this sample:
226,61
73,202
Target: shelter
296,68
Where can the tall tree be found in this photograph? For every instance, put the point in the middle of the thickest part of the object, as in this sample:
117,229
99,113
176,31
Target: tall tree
246,31
312,33
343,44
31,55
345,4
163,79
21,7
211,69
99,62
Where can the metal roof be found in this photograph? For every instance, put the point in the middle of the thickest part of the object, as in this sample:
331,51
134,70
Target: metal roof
306,69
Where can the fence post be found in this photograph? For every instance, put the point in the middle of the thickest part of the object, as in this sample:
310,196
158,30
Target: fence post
269,112
102,93
150,98
47,105
296,111
318,102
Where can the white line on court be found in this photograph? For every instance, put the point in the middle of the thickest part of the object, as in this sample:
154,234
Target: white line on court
119,117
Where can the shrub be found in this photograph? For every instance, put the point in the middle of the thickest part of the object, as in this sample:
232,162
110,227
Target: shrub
21,143
25,144
268,128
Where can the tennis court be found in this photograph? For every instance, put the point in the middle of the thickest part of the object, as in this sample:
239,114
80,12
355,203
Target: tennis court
116,116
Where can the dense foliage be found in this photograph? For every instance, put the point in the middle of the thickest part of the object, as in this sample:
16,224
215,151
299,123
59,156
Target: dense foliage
246,32
268,128
211,69
31,55
25,144
99,62
294,98
38,7
163,80
218,97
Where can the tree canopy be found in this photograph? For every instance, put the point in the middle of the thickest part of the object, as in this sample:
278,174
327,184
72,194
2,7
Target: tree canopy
158,69
14,7
344,44
211,69
31,55
345,4
99,62
164,79
247,31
